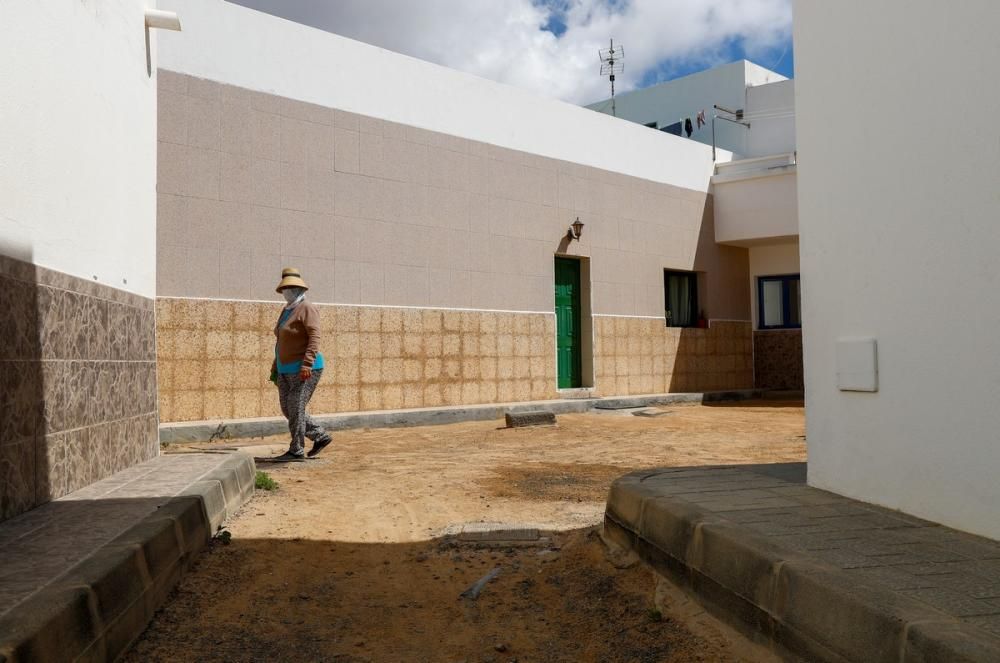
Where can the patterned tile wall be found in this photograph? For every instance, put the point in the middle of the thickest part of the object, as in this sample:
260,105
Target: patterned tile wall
215,357
778,359
77,383
644,356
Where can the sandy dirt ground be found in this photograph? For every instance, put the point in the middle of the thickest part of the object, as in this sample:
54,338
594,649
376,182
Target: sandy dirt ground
352,558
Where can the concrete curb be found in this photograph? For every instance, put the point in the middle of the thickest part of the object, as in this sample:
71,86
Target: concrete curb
536,418
94,611
809,609
205,431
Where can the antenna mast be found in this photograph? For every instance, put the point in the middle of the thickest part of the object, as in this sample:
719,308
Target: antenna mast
611,64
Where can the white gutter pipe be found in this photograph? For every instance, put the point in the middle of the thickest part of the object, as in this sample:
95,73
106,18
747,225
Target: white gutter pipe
158,18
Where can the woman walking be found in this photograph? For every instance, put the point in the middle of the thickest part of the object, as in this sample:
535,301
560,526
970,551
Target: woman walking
298,365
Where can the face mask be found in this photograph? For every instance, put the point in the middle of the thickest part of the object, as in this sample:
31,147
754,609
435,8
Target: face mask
290,294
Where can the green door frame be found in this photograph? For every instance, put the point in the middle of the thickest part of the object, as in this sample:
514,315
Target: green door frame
569,336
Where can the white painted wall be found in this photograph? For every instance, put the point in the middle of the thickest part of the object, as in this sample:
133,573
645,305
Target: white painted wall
668,102
771,114
683,97
771,260
900,232
757,208
755,196
78,140
232,44
757,75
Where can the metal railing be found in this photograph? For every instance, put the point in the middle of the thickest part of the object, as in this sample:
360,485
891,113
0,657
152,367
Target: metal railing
737,118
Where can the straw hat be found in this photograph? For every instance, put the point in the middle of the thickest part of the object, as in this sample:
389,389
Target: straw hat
291,278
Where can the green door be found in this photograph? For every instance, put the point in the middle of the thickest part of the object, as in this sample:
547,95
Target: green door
568,322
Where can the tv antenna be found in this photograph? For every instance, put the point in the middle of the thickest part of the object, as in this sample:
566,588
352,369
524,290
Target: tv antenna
611,64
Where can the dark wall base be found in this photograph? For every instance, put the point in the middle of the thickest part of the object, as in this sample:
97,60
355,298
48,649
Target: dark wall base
777,359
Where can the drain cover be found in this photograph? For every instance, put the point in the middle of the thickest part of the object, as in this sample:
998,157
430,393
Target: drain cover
497,532
651,413
617,405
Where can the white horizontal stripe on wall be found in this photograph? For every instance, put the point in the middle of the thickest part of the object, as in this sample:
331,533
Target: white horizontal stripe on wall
419,308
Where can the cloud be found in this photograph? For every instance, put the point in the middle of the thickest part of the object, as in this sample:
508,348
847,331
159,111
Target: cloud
516,42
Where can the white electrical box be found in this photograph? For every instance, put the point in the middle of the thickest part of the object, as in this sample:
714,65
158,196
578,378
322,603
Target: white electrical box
857,364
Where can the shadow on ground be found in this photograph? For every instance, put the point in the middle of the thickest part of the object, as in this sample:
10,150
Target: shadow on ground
312,600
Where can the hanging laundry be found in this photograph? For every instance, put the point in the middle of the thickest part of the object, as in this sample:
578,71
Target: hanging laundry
674,128
687,127
701,118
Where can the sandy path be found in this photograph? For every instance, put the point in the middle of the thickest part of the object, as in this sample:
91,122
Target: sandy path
410,484
360,533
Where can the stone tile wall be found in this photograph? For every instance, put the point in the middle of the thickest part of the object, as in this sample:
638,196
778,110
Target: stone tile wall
215,358
778,359
77,383
644,356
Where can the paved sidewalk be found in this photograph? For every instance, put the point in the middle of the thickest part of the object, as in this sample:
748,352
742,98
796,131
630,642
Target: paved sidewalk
815,569
205,431
93,566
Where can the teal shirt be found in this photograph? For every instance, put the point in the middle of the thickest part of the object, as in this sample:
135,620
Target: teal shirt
294,367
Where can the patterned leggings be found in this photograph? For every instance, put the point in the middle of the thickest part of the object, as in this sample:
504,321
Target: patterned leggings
294,395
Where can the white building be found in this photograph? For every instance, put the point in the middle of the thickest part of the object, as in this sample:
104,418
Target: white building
756,207
434,236
666,106
900,225
754,193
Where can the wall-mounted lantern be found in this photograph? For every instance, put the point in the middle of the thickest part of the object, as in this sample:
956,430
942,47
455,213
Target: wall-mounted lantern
575,230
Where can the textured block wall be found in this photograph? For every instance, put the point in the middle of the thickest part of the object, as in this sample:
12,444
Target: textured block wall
215,358
77,384
643,356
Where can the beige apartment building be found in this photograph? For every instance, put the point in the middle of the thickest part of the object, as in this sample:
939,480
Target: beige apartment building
148,210
435,246
433,259
750,111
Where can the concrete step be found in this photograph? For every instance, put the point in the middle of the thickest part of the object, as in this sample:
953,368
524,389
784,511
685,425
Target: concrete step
533,418
818,575
81,577
580,392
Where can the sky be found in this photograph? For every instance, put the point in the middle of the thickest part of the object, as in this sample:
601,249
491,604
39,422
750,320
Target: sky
551,46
